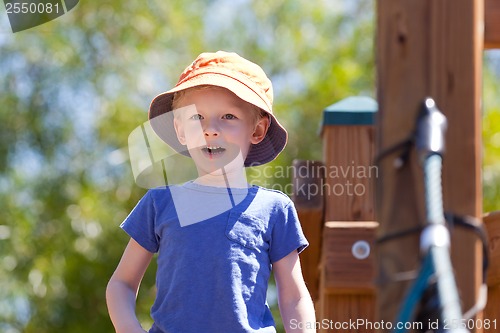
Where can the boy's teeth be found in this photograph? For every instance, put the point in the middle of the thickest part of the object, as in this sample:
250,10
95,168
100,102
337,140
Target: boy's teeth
214,149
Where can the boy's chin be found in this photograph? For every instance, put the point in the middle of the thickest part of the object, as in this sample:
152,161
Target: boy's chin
220,168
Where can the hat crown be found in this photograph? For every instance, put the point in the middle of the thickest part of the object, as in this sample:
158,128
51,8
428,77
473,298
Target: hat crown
232,65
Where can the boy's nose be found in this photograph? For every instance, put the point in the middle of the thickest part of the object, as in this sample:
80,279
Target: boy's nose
211,129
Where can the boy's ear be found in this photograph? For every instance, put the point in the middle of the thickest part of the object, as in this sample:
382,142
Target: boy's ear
179,130
260,130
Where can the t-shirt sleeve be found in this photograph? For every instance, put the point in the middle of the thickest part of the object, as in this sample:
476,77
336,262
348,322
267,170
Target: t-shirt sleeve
140,224
287,235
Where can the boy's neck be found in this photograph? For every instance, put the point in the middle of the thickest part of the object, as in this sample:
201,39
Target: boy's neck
222,179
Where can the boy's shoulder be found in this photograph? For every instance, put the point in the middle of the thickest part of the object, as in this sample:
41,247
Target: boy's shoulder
272,192
158,195
158,191
273,195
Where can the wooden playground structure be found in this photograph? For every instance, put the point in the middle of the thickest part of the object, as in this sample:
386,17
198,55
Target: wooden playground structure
423,48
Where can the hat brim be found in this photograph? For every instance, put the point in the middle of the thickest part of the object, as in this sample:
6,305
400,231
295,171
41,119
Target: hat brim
265,151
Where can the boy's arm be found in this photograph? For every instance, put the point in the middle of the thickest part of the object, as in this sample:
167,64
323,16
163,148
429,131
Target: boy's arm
122,288
295,303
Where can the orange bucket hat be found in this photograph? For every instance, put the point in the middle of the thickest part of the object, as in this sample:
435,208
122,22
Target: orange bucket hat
238,75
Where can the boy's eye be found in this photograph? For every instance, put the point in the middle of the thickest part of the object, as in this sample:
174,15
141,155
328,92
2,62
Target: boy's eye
196,117
229,116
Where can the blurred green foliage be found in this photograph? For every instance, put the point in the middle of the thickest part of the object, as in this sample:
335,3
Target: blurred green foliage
72,90
491,132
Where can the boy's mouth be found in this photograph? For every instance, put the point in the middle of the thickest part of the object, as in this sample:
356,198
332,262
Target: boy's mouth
213,150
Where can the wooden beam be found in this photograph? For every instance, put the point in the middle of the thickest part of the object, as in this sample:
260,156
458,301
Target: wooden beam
428,48
491,24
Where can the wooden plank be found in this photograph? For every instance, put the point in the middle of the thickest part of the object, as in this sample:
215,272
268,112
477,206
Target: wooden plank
491,310
491,24
428,48
308,180
492,223
342,311
343,272
348,153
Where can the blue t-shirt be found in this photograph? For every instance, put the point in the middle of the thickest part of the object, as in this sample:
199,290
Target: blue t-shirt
213,272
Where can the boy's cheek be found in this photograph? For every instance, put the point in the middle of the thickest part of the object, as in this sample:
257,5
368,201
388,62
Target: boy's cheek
179,131
194,140
193,130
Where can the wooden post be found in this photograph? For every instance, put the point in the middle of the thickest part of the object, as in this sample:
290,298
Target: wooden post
348,151
347,289
428,48
491,24
308,179
492,223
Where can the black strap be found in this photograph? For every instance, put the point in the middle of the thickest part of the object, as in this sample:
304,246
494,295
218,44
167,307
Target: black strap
468,222
404,146
477,226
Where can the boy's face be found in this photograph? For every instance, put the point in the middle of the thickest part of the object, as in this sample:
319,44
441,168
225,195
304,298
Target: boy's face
217,127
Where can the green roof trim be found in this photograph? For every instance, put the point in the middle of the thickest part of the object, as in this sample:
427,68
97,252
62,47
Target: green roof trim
355,110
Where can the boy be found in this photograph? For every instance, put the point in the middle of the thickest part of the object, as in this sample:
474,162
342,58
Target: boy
217,237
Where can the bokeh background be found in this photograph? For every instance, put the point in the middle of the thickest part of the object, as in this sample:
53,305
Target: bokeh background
73,89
